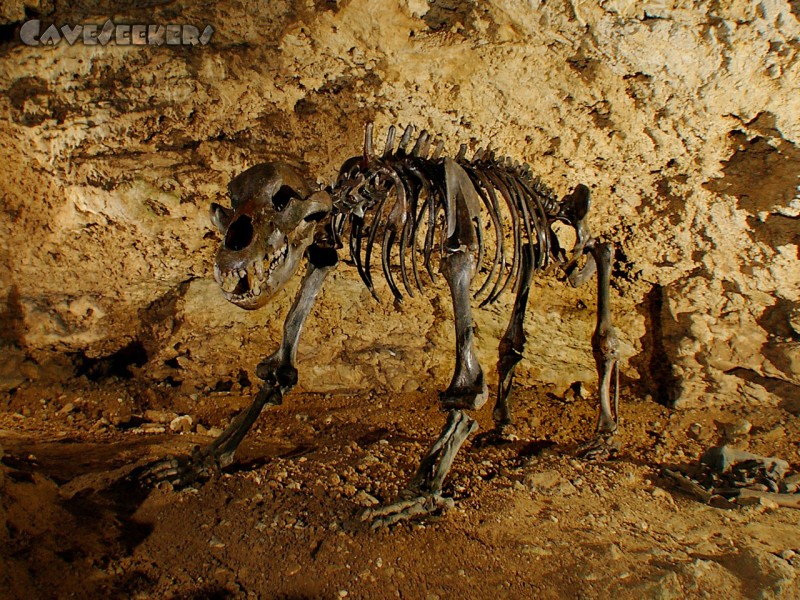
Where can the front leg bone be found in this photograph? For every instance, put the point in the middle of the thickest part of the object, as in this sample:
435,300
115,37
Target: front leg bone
199,466
280,376
467,390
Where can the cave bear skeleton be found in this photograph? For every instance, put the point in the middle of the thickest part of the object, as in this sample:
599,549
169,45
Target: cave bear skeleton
485,218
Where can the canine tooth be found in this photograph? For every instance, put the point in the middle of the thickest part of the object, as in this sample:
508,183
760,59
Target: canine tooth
256,290
229,283
259,268
242,273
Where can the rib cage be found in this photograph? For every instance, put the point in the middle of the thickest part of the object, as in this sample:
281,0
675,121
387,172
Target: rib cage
401,198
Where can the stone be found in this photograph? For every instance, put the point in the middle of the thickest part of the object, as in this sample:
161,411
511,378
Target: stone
159,416
787,554
67,408
662,587
544,482
739,427
181,424
150,428
776,578
215,542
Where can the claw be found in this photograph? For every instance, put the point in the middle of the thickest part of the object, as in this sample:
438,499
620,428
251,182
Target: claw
179,472
408,508
600,448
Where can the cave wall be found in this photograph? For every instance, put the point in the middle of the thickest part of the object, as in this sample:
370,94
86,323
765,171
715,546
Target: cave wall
683,118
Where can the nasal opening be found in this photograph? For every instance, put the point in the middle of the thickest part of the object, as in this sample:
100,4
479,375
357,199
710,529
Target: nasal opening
239,234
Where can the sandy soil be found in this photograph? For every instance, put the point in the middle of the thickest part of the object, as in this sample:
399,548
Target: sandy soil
530,521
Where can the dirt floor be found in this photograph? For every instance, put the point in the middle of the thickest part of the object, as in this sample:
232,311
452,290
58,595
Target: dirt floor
530,521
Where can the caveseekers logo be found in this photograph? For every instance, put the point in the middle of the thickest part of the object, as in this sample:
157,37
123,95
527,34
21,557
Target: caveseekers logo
88,34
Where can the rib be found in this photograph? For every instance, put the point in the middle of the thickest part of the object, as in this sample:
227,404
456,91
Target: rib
404,140
389,235
486,192
373,231
500,187
417,223
387,150
406,235
417,151
395,222
368,153
426,147
437,151
356,224
541,224
436,196
521,198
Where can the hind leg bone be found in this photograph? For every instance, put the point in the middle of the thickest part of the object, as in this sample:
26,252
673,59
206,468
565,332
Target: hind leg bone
606,356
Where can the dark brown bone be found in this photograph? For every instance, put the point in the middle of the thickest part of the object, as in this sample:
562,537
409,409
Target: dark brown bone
388,199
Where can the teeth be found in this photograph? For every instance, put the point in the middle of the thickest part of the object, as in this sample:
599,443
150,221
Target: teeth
229,283
256,274
251,277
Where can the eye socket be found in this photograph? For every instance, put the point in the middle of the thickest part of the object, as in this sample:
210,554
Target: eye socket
283,196
239,234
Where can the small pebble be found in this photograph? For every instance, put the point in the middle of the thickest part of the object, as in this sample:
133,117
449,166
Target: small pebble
658,492
738,427
365,499
159,416
182,424
787,554
151,428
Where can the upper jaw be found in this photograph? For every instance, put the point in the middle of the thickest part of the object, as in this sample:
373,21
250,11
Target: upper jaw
248,284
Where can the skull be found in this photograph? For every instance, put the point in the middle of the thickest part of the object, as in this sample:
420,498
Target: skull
266,231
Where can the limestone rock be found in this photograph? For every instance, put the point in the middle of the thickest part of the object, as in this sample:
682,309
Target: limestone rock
112,155
181,424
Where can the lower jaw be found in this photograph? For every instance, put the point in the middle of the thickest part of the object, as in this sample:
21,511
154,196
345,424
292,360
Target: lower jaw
249,303
247,299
